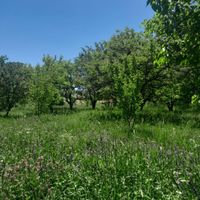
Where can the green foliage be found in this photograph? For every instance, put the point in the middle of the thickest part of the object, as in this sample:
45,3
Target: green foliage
14,84
92,73
144,49
170,91
70,83
91,154
179,26
176,26
195,101
54,68
127,83
43,92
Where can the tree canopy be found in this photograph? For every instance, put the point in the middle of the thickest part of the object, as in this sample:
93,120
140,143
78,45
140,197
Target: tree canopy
159,65
14,84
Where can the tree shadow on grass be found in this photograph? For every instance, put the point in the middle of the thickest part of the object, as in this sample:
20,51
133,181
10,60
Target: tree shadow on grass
145,132
153,118
106,115
175,118
59,111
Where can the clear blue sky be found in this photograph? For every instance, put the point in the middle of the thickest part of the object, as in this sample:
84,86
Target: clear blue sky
31,28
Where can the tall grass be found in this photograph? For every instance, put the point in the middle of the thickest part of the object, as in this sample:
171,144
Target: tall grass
94,155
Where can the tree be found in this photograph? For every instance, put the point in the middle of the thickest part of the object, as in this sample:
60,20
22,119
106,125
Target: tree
2,60
54,68
169,93
14,84
145,50
176,26
151,73
69,85
127,82
43,92
46,84
126,63
92,72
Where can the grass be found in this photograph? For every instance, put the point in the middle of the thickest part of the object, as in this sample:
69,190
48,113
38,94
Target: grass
89,154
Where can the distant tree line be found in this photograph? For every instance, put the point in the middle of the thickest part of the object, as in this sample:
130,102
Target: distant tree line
161,64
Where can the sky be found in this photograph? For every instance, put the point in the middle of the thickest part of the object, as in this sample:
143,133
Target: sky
33,28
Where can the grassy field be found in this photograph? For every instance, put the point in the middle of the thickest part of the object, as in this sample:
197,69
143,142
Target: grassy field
89,154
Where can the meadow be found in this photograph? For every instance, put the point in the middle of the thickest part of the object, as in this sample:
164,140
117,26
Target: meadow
93,154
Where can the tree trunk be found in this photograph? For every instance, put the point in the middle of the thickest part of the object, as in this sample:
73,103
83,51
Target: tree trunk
170,106
142,105
71,105
7,112
51,108
70,101
93,102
